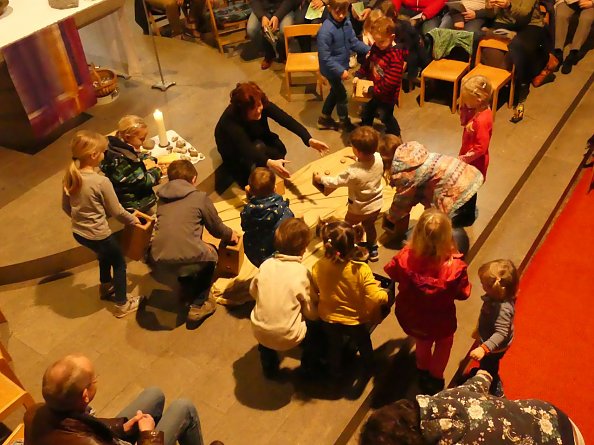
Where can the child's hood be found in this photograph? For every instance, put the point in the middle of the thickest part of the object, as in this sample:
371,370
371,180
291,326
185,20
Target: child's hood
263,208
176,189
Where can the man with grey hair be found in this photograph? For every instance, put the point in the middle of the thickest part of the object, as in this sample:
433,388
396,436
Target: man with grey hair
70,384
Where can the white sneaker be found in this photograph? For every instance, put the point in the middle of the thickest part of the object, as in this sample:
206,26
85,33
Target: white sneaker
131,305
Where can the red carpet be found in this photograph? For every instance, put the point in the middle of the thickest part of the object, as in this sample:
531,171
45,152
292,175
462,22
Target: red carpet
552,356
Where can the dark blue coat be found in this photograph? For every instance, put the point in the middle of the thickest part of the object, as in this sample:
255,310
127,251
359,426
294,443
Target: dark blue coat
336,41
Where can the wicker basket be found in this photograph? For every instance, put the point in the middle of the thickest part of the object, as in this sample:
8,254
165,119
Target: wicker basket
104,81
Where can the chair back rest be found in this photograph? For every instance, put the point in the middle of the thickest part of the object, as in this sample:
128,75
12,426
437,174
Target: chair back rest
445,40
300,30
492,52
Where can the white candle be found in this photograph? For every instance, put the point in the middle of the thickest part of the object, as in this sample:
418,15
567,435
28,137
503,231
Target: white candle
158,115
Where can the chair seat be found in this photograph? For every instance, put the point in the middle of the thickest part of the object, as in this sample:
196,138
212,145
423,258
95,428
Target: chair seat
302,62
497,76
444,69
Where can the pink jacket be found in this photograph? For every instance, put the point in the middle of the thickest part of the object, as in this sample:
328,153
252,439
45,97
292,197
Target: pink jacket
475,141
425,301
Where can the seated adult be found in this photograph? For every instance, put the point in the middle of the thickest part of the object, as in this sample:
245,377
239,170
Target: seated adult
300,19
244,139
275,15
69,386
132,173
469,415
472,19
429,12
563,12
527,50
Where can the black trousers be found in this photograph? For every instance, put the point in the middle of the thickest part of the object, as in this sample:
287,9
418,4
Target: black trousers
241,168
465,215
385,112
490,363
336,333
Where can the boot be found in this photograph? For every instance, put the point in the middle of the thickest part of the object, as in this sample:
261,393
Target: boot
546,75
572,59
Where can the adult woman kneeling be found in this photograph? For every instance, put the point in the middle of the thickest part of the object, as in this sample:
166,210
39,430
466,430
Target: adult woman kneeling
244,139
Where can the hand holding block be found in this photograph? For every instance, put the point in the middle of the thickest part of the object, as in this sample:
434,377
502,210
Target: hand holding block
230,255
360,93
136,238
325,190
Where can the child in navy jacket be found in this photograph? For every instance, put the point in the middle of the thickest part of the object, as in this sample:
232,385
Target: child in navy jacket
336,40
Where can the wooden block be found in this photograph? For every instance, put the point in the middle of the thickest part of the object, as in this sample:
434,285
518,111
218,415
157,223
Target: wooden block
230,256
360,86
136,238
322,188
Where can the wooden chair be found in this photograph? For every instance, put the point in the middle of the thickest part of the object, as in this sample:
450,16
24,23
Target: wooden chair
499,77
17,434
302,62
447,70
2,318
230,33
5,368
12,396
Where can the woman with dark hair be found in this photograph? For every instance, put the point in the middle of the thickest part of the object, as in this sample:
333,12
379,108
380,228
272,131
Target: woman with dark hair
469,415
244,139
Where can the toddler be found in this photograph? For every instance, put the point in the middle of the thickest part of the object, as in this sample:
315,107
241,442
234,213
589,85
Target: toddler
383,66
496,322
132,173
261,215
371,18
88,199
431,276
285,299
336,40
364,181
349,295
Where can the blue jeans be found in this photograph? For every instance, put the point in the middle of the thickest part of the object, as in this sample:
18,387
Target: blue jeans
254,31
337,97
110,257
179,422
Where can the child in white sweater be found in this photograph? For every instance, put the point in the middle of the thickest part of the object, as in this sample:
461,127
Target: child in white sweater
284,296
364,181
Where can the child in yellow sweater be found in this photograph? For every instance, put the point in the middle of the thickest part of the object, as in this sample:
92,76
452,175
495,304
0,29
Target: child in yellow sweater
349,296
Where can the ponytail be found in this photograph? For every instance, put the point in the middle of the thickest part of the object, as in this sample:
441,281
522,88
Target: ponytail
84,144
72,179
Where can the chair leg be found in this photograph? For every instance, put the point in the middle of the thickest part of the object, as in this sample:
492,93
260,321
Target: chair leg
4,353
495,101
288,85
2,318
27,400
512,92
455,97
321,85
8,372
422,99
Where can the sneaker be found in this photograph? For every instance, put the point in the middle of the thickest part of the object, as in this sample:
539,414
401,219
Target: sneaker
572,59
266,63
327,123
106,291
197,314
131,305
346,125
373,253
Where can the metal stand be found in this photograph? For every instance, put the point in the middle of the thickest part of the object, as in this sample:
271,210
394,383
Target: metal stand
163,86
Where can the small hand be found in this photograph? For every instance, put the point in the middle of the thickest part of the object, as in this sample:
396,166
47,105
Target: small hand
364,14
149,163
265,22
317,4
278,166
355,80
131,422
344,75
234,238
469,15
274,23
585,4
483,372
136,222
319,146
317,177
146,423
477,353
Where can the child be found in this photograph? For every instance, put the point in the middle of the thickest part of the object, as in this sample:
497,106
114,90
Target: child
349,295
88,198
177,246
371,18
496,321
284,297
431,276
336,40
261,215
132,173
384,67
364,181
477,118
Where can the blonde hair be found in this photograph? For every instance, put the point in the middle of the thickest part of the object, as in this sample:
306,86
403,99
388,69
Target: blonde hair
432,236
83,145
129,125
502,277
476,89
371,18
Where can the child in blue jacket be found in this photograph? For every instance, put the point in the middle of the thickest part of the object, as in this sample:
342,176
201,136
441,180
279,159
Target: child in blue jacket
262,215
336,41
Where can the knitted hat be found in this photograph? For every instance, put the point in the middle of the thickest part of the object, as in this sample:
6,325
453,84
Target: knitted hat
409,155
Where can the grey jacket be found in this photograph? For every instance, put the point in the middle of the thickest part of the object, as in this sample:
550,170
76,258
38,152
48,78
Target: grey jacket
182,213
496,323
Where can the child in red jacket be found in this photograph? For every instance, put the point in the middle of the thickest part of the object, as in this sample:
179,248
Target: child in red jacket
384,66
431,275
477,119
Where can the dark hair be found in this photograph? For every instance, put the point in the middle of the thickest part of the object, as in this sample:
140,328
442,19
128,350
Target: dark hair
246,96
339,5
291,237
395,424
339,238
261,182
181,169
365,139
387,147
384,26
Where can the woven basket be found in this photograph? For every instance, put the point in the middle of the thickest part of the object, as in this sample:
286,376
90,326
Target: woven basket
104,81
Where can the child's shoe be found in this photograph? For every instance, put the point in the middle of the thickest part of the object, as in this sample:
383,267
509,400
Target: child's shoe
130,306
106,291
327,123
373,253
518,114
198,313
346,125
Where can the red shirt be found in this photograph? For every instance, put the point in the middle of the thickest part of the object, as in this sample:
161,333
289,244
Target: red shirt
476,138
426,293
429,8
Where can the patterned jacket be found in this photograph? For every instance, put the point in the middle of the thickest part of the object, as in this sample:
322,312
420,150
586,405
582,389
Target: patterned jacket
469,415
132,182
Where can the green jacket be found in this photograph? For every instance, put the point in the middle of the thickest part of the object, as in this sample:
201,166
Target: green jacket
521,13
